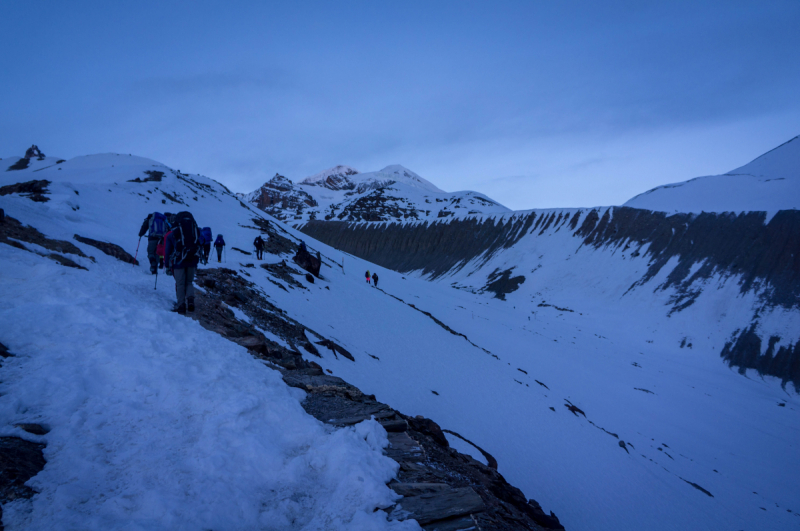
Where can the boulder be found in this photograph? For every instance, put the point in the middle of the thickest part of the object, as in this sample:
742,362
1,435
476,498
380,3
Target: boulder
308,262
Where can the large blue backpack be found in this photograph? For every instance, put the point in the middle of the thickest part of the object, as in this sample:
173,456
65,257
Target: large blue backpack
158,225
206,233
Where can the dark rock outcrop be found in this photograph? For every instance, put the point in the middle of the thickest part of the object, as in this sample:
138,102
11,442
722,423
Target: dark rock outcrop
12,230
307,261
433,248
34,190
110,249
152,176
763,256
20,460
34,151
280,198
744,351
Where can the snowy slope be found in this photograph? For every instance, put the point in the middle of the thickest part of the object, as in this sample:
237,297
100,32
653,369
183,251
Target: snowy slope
769,183
155,422
342,193
570,334
704,447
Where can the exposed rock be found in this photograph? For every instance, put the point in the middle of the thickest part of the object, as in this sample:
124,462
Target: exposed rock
490,460
34,190
308,262
280,198
282,271
21,164
12,230
35,429
110,249
744,351
500,283
34,151
152,176
438,505
20,460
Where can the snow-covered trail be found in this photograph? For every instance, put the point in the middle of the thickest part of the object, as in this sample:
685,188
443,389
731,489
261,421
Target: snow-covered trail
156,423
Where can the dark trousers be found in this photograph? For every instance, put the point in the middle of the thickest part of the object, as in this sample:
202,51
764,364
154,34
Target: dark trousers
259,253
184,284
152,243
219,252
206,252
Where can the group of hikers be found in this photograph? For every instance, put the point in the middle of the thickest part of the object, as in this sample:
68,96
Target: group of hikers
177,244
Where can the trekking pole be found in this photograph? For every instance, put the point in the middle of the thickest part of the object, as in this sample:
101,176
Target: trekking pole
137,251
156,286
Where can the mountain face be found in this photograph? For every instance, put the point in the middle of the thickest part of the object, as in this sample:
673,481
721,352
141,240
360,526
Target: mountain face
769,184
343,194
669,315
628,368
280,198
335,178
222,418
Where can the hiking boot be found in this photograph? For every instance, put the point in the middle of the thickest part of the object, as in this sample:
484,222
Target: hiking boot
152,270
190,306
181,309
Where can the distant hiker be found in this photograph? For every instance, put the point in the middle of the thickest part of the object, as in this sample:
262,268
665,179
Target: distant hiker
303,246
219,244
183,250
155,225
205,232
375,279
258,243
367,275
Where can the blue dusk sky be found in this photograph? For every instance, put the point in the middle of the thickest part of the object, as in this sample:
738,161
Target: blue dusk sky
536,103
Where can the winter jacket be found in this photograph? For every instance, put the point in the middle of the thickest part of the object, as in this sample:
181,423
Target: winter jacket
220,242
258,243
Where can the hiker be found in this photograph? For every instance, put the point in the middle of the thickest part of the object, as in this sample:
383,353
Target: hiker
219,244
182,250
367,275
258,243
375,279
205,232
155,225
303,246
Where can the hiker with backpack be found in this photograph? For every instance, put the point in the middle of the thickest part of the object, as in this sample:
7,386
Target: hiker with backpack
219,245
155,225
367,275
375,279
258,243
183,250
205,232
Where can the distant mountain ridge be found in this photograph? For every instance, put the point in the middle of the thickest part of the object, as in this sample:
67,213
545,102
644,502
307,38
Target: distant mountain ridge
342,193
769,183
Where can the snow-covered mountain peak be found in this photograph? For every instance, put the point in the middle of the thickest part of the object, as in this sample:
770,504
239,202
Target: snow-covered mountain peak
406,176
770,183
335,178
783,162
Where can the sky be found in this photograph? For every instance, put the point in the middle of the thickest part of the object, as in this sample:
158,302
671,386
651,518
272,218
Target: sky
536,104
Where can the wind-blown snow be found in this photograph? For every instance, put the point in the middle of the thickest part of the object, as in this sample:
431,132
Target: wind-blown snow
769,183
